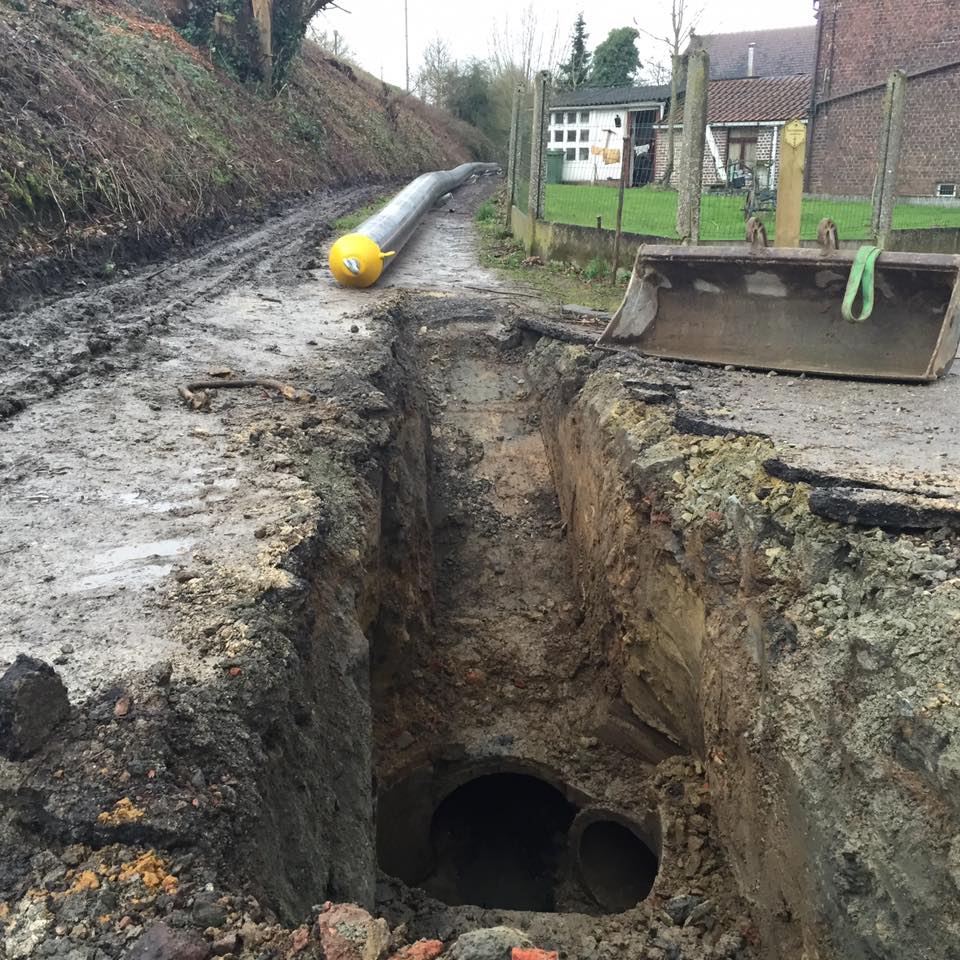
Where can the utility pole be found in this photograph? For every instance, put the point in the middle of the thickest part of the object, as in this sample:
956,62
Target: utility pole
406,40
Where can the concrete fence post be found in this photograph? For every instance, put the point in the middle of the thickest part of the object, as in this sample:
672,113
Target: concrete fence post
891,139
690,180
538,147
625,162
512,152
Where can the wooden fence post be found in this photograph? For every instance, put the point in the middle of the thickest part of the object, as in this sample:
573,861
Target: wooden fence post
793,151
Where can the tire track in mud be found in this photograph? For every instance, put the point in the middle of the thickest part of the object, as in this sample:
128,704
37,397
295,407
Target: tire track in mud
95,332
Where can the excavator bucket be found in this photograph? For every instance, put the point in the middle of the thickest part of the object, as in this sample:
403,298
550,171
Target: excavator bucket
780,309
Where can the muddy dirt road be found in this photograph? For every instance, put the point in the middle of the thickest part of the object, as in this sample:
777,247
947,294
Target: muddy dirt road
111,484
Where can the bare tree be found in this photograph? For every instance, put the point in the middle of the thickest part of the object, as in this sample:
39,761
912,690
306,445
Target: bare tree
521,44
684,16
331,42
520,47
655,71
436,73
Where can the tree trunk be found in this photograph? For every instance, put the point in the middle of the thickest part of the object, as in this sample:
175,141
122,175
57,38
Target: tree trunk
675,63
263,15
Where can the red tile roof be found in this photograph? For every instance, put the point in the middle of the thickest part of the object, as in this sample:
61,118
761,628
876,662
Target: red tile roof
757,99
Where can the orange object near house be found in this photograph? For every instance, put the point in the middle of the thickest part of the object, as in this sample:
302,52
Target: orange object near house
532,953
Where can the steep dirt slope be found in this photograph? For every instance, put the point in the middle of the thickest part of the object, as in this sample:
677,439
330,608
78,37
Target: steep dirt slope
116,133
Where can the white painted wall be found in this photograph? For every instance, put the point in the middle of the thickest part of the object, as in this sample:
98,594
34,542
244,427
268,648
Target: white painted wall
599,130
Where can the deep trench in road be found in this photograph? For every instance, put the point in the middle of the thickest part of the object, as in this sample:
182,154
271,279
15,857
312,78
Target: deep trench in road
498,631
512,774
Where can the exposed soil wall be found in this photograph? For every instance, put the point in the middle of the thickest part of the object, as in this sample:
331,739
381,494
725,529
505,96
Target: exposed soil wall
246,761
795,657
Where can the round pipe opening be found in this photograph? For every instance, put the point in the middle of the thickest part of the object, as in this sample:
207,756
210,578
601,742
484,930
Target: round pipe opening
500,841
617,866
514,837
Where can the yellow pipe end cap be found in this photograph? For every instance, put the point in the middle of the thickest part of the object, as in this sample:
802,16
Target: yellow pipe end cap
356,261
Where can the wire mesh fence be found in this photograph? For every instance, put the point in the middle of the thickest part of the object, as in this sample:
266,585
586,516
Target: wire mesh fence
522,149
588,150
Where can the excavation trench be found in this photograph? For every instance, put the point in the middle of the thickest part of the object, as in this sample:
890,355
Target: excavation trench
515,773
524,646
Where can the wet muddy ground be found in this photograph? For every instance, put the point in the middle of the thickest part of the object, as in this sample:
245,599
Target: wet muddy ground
286,628
111,484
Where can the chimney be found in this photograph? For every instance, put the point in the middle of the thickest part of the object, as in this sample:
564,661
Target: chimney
750,50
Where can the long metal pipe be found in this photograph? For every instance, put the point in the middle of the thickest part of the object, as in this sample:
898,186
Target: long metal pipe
359,258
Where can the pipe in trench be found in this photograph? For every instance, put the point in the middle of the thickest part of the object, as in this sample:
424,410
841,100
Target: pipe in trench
359,258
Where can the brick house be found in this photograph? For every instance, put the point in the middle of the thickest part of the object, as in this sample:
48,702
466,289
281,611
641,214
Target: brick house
859,42
744,122
759,81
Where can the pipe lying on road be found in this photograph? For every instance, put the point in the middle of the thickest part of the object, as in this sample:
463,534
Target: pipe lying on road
358,259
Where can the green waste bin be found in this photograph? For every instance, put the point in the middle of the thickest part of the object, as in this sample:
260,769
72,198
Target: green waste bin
554,166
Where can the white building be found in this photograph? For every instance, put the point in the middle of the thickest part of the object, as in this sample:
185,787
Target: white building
589,125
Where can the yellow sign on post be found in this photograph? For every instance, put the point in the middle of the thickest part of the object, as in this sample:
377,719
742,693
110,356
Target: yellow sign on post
793,148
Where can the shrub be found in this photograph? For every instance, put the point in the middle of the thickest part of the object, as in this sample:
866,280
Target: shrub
485,212
596,269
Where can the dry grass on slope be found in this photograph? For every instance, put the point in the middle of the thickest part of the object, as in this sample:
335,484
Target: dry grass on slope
111,125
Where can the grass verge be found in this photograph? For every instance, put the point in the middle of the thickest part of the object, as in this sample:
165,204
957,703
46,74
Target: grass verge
352,220
558,283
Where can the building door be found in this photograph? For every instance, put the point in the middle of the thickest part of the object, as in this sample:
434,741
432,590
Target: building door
742,155
641,128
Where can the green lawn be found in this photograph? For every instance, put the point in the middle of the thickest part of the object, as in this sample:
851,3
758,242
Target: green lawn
651,211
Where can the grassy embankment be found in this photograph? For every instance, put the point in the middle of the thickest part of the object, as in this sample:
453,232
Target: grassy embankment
113,127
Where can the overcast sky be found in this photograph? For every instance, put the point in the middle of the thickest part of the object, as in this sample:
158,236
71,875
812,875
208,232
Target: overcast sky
374,28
